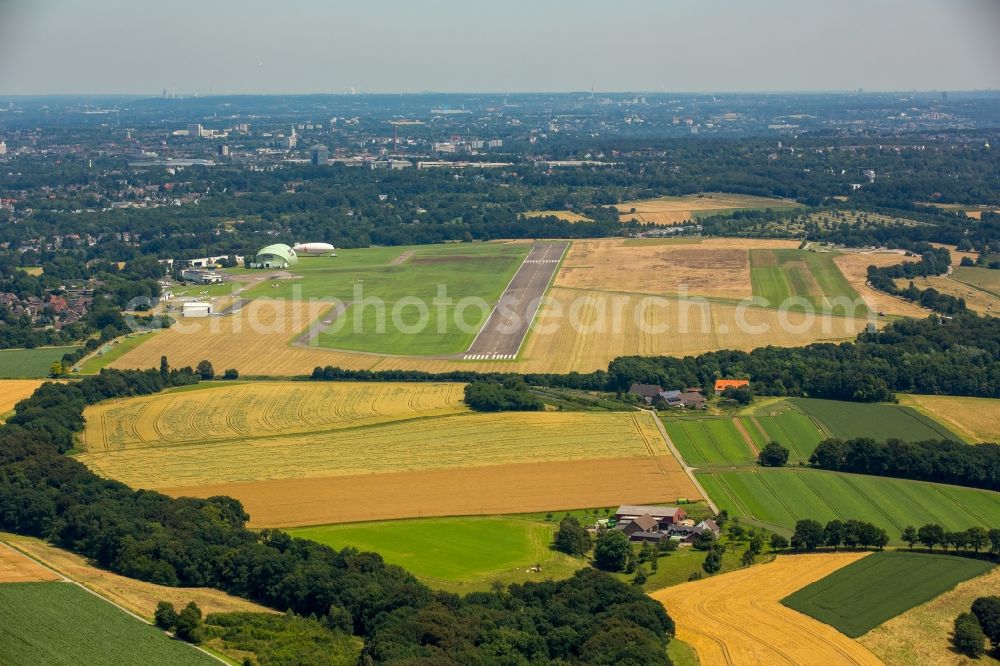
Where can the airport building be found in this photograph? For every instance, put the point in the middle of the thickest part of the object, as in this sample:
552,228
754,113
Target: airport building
278,255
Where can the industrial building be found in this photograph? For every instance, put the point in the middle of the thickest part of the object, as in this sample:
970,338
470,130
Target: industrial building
198,276
196,309
278,255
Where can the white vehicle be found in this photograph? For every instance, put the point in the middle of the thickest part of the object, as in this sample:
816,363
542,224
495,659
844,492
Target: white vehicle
313,248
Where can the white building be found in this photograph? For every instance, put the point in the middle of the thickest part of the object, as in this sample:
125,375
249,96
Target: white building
197,309
3,147
195,129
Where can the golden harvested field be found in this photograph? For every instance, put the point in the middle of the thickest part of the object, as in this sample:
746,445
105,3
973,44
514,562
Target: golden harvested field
567,215
976,419
230,411
16,567
446,463
13,391
737,618
975,299
854,266
448,442
714,267
920,635
137,596
497,489
670,327
674,210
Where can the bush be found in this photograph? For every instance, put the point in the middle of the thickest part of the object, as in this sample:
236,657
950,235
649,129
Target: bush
189,624
231,373
165,616
987,611
968,637
773,455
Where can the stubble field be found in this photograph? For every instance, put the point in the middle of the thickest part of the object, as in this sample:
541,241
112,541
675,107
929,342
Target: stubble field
292,463
737,618
13,391
236,411
675,210
975,419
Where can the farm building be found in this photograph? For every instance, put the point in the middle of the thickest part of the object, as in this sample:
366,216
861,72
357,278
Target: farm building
645,391
723,384
278,255
663,515
197,309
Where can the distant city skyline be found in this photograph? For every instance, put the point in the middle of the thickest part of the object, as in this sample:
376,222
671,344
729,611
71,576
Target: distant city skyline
388,46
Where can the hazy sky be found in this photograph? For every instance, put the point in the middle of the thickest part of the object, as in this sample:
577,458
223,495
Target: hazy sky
308,46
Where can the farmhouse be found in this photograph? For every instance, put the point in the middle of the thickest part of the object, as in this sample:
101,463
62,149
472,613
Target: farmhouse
723,384
645,391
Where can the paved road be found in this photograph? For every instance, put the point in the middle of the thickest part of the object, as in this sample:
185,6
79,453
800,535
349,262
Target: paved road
504,331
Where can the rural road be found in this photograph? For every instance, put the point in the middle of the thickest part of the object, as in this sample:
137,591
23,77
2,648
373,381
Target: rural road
501,336
677,454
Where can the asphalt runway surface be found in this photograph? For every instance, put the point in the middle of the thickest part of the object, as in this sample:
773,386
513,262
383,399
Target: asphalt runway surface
501,336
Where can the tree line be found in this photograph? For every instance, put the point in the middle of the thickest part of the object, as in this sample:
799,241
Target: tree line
943,461
936,355
588,618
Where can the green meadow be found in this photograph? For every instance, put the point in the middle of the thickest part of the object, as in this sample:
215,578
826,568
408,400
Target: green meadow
30,363
382,287
456,553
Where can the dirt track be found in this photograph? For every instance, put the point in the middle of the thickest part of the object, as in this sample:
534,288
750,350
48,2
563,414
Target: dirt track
502,334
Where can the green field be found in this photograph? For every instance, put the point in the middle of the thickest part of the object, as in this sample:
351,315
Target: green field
879,421
868,592
29,363
60,623
794,430
112,352
449,551
986,279
812,277
705,442
378,291
777,498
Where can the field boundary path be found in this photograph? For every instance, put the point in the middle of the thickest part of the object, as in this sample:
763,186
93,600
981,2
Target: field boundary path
683,463
63,578
502,335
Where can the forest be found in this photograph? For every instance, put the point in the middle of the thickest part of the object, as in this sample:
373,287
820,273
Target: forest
590,618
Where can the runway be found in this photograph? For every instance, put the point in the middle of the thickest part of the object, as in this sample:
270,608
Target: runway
501,336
